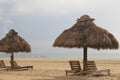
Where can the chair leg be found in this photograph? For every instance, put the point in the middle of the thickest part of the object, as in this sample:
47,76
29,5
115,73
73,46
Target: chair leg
66,73
108,71
32,67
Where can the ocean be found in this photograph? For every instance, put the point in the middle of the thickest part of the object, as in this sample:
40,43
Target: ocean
63,55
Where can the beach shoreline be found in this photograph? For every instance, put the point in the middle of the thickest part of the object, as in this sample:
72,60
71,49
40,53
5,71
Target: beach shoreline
54,69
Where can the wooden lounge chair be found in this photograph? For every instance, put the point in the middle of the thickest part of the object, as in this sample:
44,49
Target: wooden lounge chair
91,66
75,68
93,69
14,65
3,66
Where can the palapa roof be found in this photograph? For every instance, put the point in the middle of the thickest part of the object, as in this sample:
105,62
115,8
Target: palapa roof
84,33
12,42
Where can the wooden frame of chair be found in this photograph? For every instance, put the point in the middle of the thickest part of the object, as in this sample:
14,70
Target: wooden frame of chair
91,69
75,68
3,66
91,66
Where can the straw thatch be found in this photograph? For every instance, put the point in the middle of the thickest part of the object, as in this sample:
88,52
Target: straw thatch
84,33
12,42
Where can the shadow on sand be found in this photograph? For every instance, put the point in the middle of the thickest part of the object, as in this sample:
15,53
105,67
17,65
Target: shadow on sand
65,78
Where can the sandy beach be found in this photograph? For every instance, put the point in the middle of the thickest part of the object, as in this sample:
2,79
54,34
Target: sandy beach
54,69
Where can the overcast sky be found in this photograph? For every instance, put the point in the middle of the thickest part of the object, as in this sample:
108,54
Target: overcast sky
40,22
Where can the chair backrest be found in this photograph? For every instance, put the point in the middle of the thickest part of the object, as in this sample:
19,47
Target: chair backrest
2,64
91,66
75,65
14,64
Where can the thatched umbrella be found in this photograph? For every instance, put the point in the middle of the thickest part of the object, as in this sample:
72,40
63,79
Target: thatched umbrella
84,33
12,43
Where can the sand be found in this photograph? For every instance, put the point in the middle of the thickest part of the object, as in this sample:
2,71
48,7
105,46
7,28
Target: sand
54,69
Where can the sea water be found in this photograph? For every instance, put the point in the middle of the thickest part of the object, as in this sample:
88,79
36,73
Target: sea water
62,55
